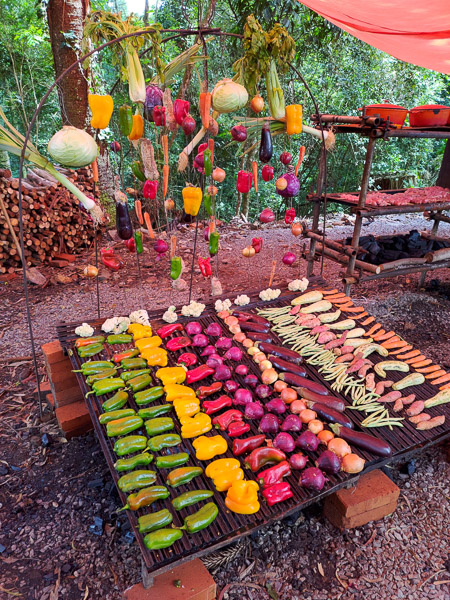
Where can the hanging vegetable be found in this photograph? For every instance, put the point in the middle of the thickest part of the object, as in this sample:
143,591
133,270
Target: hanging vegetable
218,175
160,247
137,130
72,147
294,114
239,133
267,216
281,183
204,105
169,204
148,222
265,146
153,97
188,125
148,158
275,93
212,190
228,96
180,110
211,145
102,109
296,229
159,116
257,104
208,204
244,182
255,174
131,245
123,220
207,162
176,266
150,189
192,199
213,244
137,170
110,260
139,242
125,119
257,244
267,173
289,258
289,216
90,271
248,252
205,266
115,147
286,158
165,179
301,156
292,184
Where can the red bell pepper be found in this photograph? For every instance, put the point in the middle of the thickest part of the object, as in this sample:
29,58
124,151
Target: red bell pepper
237,428
188,359
178,343
167,330
131,245
205,266
222,421
257,244
202,148
277,493
198,373
108,252
263,456
212,406
110,260
267,173
159,116
150,189
289,216
207,390
244,182
248,444
274,474
180,110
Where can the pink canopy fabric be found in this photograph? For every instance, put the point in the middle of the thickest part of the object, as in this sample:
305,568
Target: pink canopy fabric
415,31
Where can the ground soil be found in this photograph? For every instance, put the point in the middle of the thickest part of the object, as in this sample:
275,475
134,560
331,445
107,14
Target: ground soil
50,495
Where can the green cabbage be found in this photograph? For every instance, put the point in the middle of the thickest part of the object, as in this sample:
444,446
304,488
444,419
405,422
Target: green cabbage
228,96
72,147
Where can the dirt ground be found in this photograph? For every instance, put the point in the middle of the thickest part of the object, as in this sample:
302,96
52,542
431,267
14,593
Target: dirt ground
60,535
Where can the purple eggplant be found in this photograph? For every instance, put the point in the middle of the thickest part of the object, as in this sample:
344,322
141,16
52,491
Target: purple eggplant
256,327
362,440
285,365
123,221
246,316
297,380
266,145
329,414
256,336
281,352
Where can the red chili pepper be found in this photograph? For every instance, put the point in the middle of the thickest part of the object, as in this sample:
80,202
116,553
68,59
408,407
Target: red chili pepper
180,110
262,456
257,244
202,148
167,330
248,444
110,260
277,493
212,406
274,474
150,189
205,266
159,116
131,245
289,216
188,359
244,182
237,428
230,416
127,354
207,390
198,373
178,343
267,173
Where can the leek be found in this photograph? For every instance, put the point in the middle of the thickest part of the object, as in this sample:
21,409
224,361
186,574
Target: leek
275,94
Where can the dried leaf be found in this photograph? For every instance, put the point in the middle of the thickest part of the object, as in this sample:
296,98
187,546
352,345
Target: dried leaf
246,571
320,569
86,593
272,593
9,560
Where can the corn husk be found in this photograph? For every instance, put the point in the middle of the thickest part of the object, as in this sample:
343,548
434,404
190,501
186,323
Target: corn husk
148,160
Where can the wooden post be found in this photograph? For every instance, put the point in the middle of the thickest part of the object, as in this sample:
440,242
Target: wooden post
316,211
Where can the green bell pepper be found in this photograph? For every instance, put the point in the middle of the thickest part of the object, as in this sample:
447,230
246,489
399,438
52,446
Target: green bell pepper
130,444
90,379
189,498
159,425
105,386
127,375
162,538
135,480
138,460
146,396
172,460
183,475
94,366
207,164
140,382
91,350
133,363
136,168
201,519
213,244
119,399
119,338
154,521
146,497
166,440
139,242
208,203
114,415
175,267
125,120
123,426
154,411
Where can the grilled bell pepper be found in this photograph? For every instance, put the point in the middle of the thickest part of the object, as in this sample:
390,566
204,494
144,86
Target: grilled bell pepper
91,350
194,426
137,130
166,440
241,446
263,456
94,366
208,204
222,421
198,373
289,216
154,521
125,120
123,426
91,379
187,359
171,375
176,267
114,415
159,116
277,493
242,497
207,390
186,407
190,498
127,354
127,375
138,460
139,331
183,475
257,244
138,241
133,363
119,399
146,343
130,444
294,114
172,460
102,109
150,189
146,497
207,164
136,384
136,480
180,110
105,386
213,243
175,391
119,338
212,406
244,182
223,472
274,474
155,357
207,448
237,428
205,266
201,519
146,396
167,330
162,538
154,411
80,342
178,343
192,199
159,425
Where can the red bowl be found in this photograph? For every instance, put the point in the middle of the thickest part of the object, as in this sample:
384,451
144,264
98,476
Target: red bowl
396,114
429,115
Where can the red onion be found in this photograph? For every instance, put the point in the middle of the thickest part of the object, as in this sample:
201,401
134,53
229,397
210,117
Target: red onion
241,370
200,340
263,391
213,329
289,258
160,247
224,343
234,353
199,161
115,146
193,328
242,397
206,234
312,479
214,361
251,380
307,441
277,406
269,424
239,133
208,351
267,216
284,441
329,462
230,386
286,158
293,184
188,125
222,373
291,423
254,410
298,461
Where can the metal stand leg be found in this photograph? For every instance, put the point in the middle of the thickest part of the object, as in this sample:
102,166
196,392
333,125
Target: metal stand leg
312,247
147,579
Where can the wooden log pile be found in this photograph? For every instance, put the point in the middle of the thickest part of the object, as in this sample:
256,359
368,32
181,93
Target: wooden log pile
53,219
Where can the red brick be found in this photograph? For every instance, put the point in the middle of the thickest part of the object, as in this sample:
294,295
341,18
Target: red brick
50,401
8,276
53,352
196,584
68,396
373,489
78,431
68,257
58,263
332,513
63,374
44,387
65,383
73,416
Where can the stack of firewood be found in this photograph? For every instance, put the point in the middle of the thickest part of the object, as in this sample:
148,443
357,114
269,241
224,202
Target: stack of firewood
53,220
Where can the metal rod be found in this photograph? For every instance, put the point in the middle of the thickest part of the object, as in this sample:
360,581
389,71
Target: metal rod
96,277
193,257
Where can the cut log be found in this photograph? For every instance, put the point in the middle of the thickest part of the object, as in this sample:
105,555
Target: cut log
437,255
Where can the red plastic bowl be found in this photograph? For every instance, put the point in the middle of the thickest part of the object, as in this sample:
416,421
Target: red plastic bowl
429,115
397,114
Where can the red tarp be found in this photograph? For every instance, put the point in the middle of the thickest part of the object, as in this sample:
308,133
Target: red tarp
416,31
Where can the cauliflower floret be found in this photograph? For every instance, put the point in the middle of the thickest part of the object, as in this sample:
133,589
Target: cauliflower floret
116,325
194,309
84,330
269,294
298,285
140,316
242,300
222,305
170,316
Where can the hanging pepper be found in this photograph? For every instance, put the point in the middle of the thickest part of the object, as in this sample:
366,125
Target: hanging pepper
167,330
242,498
159,116
174,391
222,421
205,266
208,203
195,426
207,390
223,472
277,493
110,260
207,164
244,182
150,189
171,375
125,119
102,109
204,106
274,474
207,448
257,244
138,241
192,198
175,267
237,428
267,172
178,343
294,114
155,357
180,110
198,373
213,244
289,216
187,359
137,130
136,167
241,446
212,406
131,245
263,456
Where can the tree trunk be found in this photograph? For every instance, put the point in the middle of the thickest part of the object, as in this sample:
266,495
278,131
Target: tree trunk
146,10
65,23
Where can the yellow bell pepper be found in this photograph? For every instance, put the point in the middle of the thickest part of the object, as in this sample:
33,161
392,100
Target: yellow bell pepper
171,375
148,342
242,497
209,447
192,199
194,426
102,109
155,357
140,332
223,472
175,391
138,128
294,114
186,407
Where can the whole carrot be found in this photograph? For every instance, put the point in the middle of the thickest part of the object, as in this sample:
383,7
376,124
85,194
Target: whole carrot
165,147
255,174
211,148
204,105
165,179
149,225
138,209
301,156
95,171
